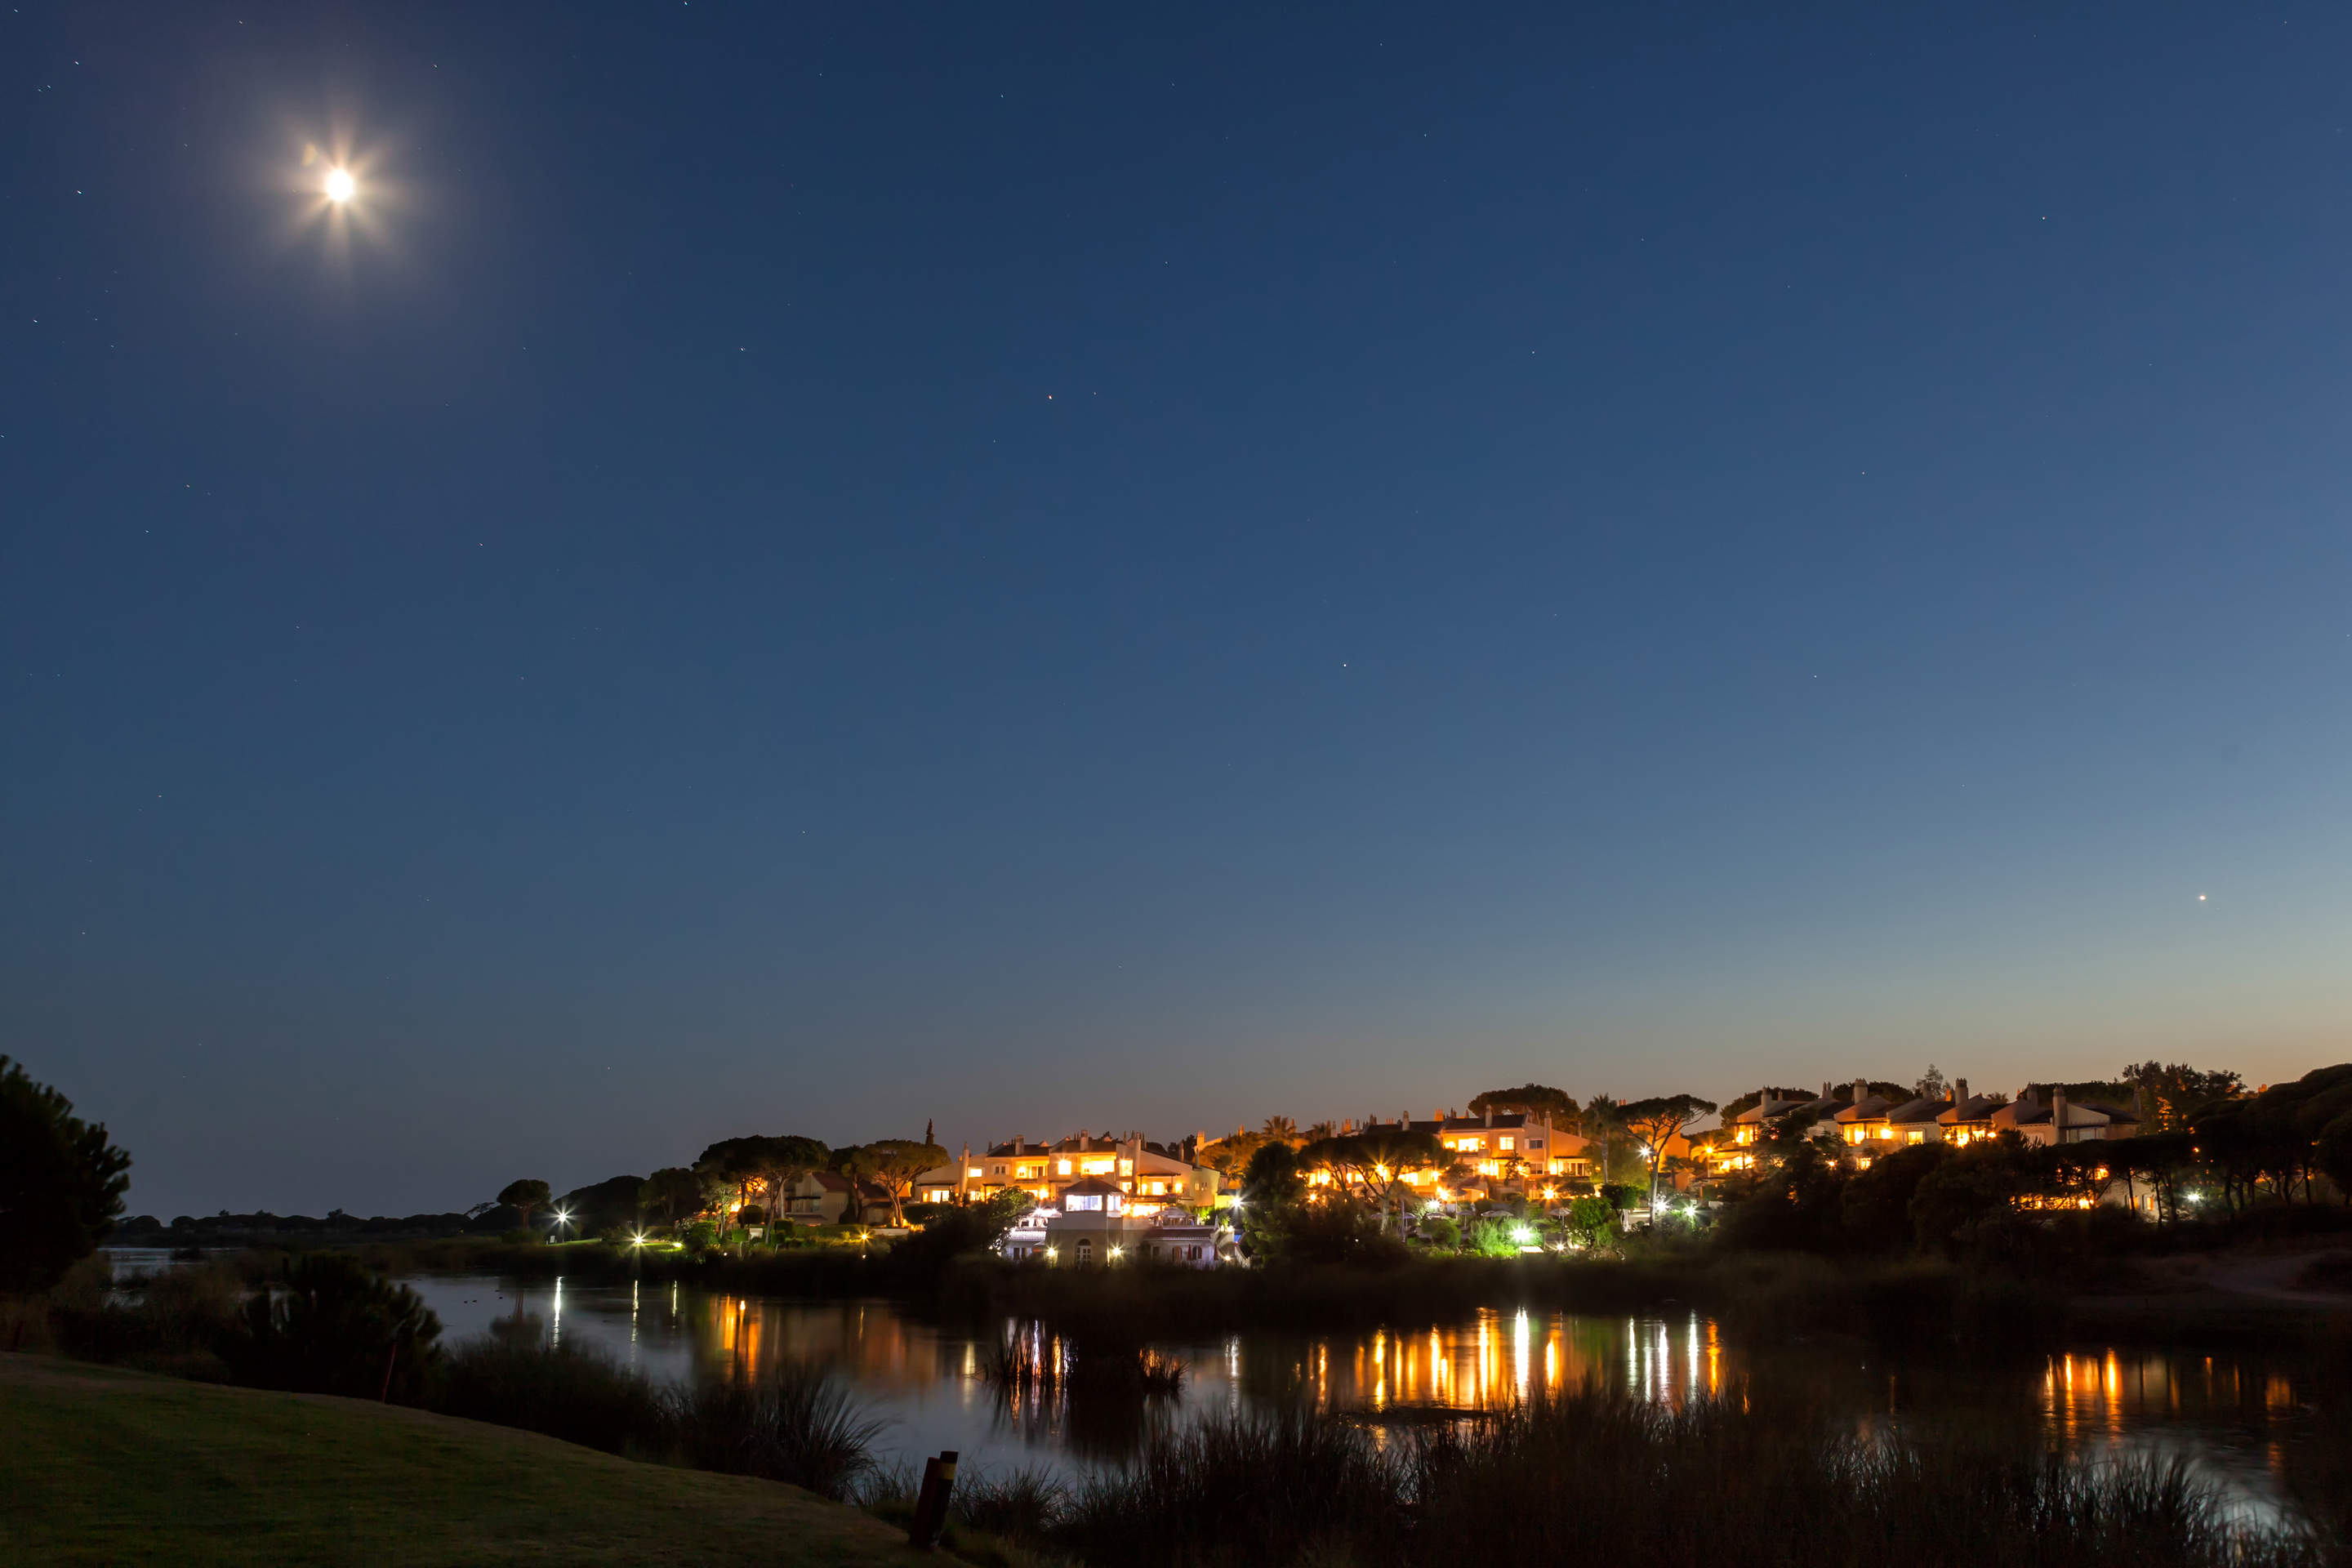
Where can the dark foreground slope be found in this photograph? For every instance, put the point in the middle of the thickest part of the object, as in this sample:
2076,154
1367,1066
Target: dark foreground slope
102,1466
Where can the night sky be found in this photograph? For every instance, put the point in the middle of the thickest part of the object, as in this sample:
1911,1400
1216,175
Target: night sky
1039,568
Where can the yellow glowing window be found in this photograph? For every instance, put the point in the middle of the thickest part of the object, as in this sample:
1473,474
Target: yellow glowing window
1509,1142
1065,1167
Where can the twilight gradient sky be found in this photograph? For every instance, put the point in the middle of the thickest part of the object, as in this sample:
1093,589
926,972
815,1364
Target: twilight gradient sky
809,569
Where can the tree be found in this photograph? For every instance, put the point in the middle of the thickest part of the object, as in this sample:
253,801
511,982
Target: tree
782,1162
1601,1122
1372,1165
1656,1122
1876,1204
671,1191
1280,1130
1931,1084
1591,1220
524,1196
733,1165
2175,1092
330,1325
1970,1196
894,1163
607,1208
1273,1177
61,1183
1535,1098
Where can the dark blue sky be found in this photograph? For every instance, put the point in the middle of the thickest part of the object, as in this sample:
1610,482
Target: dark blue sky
1045,568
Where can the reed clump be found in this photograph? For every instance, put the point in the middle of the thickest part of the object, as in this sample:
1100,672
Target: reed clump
576,1392
1599,1476
797,1423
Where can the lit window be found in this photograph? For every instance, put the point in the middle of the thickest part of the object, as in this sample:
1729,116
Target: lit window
1065,1167
1509,1142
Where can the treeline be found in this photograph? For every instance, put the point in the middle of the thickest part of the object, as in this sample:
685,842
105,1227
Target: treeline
225,1228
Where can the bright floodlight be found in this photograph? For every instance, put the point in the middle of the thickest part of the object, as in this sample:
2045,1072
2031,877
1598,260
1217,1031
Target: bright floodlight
340,185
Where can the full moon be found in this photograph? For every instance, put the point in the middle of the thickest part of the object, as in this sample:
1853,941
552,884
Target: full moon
340,185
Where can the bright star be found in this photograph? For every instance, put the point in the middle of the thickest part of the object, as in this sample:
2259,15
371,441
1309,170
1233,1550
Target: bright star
340,185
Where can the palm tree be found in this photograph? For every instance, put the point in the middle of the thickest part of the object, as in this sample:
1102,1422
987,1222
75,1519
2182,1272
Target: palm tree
1280,1130
1599,1123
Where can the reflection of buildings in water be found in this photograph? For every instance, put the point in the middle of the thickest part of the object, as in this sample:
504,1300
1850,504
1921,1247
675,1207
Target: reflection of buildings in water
1494,1361
2082,1394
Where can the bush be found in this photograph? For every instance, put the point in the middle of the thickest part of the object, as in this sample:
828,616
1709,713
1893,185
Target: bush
578,1394
1441,1233
183,1321
1494,1237
329,1325
795,1425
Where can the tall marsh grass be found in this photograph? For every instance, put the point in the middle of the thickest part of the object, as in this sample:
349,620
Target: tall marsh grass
1602,1477
579,1394
797,1423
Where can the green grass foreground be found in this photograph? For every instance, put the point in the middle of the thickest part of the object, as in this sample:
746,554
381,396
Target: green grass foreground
103,1466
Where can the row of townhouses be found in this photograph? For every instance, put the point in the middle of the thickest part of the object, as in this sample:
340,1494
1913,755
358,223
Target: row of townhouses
1104,1199
1874,1125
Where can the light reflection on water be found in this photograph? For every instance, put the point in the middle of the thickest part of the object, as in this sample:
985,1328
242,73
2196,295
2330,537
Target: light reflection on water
2239,1417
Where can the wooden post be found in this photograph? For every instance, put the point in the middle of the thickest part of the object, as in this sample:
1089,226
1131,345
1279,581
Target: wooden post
931,1503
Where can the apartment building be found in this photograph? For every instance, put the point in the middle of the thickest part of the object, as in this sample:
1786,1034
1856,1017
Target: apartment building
1147,1175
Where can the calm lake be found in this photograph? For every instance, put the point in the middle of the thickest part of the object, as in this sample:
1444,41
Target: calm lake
2243,1417
2248,1420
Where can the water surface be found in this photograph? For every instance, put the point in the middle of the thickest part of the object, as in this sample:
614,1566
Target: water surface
2243,1417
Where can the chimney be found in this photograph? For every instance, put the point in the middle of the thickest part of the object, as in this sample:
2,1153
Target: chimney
1861,1089
1826,1085
2057,1114
1959,1092
1490,1116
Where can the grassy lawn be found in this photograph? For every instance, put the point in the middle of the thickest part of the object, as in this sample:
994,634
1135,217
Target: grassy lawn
100,1466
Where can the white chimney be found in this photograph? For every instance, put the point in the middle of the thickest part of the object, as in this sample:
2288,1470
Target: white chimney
1959,1092
2057,1115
